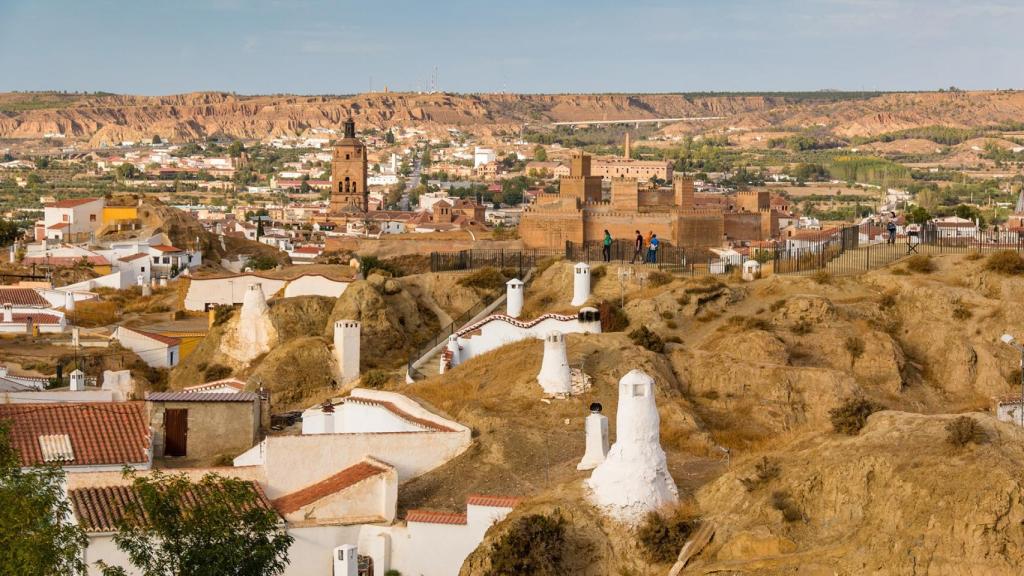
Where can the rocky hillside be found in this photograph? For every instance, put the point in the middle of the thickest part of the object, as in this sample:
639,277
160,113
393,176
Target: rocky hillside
113,118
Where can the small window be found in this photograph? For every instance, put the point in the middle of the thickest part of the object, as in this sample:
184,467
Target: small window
65,217
92,217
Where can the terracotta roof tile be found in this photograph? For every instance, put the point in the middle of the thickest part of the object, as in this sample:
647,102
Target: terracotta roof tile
435,517
493,501
165,248
346,478
71,203
102,509
22,297
135,256
37,319
391,407
101,433
229,382
169,340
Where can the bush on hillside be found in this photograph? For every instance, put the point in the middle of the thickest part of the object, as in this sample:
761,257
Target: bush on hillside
662,535
964,430
658,278
921,264
643,336
613,317
1005,262
485,279
375,379
216,372
261,262
534,545
822,277
784,503
851,416
368,264
855,347
764,471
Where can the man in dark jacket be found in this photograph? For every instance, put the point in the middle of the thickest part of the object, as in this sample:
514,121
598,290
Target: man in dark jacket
638,248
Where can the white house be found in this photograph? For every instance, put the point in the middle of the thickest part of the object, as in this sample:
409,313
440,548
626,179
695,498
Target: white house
227,290
315,285
482,156
71,220
156,350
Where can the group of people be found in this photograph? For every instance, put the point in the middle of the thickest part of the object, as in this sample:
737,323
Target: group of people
651,242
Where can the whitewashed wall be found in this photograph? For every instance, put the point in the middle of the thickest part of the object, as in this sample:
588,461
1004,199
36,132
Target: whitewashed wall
202,291
501,331
315,285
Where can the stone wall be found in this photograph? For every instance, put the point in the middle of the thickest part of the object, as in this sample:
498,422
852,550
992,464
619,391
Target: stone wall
743,226
214,428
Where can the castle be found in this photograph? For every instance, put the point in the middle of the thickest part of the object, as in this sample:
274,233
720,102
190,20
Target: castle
579,213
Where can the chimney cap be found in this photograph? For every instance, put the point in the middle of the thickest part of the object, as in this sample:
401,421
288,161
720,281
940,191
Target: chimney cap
595,407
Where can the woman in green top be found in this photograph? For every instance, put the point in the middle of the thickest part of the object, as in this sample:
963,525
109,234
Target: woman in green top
606,250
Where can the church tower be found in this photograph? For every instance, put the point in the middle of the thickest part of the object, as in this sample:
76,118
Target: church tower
348,174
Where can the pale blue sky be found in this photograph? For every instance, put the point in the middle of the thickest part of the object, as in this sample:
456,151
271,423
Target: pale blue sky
334,47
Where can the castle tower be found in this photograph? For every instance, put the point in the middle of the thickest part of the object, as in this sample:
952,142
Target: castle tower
596,429
683,188
346,349
348,174
580,284
555,376
514,298
627,149
634,479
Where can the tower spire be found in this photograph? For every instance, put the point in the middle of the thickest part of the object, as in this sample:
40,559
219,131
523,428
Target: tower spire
350,127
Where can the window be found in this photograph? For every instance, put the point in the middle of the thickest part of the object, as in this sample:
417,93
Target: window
92,217
65,218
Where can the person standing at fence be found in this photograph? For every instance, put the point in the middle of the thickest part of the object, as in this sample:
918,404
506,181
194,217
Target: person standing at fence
891,228
652,249
606,249
638,248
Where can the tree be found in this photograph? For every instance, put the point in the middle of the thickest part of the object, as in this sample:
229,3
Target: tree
206,528
126,171
42,163
304,187
918,215
36,533
235,149
389,137
540,154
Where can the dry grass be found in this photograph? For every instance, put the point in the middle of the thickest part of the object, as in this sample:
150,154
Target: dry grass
1006,262
95,313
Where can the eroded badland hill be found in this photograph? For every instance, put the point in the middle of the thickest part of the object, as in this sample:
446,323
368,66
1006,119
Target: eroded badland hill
109,119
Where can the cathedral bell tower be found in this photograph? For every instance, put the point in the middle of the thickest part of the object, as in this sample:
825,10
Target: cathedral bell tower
348,174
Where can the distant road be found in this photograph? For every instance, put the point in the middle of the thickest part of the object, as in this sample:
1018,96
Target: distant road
638,121
411,182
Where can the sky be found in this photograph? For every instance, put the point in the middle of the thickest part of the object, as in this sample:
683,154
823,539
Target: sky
549,46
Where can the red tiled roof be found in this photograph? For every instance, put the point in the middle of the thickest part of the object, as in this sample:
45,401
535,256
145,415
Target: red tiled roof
391,407
135,256
102,509
169,340
229,382
202,397
22,297
58,225
493,501
101,433
165,248
71,203
435,517
346,478
307,250
38,319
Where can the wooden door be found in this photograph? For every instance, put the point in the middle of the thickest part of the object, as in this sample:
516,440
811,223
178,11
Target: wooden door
175,432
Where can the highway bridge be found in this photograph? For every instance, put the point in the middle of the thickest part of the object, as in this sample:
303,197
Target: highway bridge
637,122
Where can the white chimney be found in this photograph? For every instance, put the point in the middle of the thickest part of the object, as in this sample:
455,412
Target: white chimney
453,352
346,349
634,480
590,320
163,280
8,313
346,561
3,370
77,381
514,297
596,428
581,284
147,290
69,301
141,280
555,375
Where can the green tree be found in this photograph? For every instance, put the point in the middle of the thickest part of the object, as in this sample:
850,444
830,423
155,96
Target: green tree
235,149
389,137
540,154
36,534
207,528
126,171
42,163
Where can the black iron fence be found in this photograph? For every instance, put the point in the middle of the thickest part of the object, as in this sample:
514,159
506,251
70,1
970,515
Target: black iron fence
624,251
522,260
859,248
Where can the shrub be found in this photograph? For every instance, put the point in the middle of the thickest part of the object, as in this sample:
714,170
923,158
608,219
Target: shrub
850,416
222,314
961,311
94,313
1005,262
888,300
658,278
777,305
485,279
802,327
661,536
216,372
643,336
598,272
683,300
822,277
667,315
964,430
671,325
784,503
368,264
534,545
921,264
616,320
855,347
375,378
974,255
261,262
755,323
674,340
764,471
